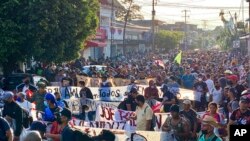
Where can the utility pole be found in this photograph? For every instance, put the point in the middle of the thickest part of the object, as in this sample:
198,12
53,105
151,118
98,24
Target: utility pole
248,43
185,13
153,25
111,29
204,28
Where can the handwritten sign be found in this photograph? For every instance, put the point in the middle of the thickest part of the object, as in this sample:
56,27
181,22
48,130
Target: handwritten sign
112,93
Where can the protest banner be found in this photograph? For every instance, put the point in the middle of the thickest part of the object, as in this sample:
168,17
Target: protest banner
121,82
100,124
103,93
92,104
112,93
111,114
123,135
95,82
83,78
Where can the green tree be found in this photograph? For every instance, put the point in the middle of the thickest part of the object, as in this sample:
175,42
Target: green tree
128,12
168,39
224,38
48,31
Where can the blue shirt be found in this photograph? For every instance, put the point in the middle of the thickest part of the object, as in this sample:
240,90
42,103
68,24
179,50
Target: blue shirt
188,81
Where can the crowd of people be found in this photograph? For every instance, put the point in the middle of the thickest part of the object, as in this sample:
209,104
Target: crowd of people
220,81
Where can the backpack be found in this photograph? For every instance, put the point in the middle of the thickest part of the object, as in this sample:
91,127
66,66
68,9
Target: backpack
153,121
122,105
25,118
179,125
80,136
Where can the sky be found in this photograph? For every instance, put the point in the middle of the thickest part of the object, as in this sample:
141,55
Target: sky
204,13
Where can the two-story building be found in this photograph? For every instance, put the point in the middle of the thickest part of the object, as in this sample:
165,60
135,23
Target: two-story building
136,37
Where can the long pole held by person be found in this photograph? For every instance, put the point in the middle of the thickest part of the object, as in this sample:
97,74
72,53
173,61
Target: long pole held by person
153,25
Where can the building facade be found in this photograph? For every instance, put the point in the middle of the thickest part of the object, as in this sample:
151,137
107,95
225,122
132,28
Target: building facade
108,41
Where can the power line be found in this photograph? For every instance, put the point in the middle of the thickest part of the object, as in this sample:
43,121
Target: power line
181,5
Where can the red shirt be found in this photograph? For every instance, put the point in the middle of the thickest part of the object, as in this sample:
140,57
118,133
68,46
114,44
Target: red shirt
55,129
151,92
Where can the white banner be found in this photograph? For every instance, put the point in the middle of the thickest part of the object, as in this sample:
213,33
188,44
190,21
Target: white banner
112,93
123,135
109,114
76,103
100,124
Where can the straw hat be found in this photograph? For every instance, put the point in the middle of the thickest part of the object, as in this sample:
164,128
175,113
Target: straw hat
210,120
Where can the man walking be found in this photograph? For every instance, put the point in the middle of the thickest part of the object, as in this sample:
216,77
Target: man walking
143,114
12,112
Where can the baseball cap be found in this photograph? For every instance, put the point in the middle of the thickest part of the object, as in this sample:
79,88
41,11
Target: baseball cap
245,92
228,72
233,77
39,126
187,101
133,90
175,108
50,97
66,112
41,85
244,99
7,95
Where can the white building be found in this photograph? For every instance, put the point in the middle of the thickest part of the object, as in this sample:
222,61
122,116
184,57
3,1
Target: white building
101,45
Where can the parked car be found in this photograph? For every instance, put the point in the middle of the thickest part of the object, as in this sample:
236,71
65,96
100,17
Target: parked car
15,79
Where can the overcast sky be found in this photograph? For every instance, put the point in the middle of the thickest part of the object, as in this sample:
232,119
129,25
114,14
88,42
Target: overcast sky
199,11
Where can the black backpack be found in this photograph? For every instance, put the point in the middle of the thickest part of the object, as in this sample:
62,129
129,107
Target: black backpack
122,105
80,136
25,118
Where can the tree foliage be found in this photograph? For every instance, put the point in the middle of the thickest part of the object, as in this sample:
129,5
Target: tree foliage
168,39
47,30
130,9
224,38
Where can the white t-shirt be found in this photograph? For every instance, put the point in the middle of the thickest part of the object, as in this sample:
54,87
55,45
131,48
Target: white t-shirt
217,96
197,96
25,88
210,85
25,105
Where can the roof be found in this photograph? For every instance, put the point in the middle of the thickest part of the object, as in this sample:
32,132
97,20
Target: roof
147,22
109,3
131,25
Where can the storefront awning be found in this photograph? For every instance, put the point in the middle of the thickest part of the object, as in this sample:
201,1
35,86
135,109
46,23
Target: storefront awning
93,43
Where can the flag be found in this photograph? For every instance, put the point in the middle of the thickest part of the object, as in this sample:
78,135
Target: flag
160,63
156,106
178,58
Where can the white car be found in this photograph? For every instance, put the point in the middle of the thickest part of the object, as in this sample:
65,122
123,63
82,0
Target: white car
37,78
98,68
